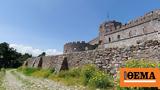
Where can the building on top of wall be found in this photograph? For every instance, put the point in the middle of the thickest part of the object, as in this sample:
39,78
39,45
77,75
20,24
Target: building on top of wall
107,27
115,34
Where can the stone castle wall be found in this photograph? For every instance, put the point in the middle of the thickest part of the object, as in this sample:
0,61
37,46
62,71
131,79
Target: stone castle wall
106,59
95,41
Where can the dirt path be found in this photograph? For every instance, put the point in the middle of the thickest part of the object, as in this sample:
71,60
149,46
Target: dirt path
16,81
11,82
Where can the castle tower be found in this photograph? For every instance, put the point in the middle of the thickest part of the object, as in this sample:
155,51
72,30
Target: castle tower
107,27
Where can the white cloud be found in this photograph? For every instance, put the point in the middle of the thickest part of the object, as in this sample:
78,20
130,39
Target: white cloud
34,51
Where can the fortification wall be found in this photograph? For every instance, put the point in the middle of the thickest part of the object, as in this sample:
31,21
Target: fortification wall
106,59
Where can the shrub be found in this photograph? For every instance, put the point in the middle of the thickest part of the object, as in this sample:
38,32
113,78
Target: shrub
101,80
140,64
94,77
75,72
88,72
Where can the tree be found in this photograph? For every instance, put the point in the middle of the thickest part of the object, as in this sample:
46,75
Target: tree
10,58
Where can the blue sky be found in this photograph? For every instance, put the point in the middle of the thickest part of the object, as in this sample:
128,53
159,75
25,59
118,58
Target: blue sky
48,24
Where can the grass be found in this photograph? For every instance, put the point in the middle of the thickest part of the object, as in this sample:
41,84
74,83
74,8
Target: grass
28,84
71,77
88,76
91,77
39,73
42,73
27,71
2,74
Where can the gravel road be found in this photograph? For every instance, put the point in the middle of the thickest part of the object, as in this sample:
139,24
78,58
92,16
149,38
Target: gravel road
13,80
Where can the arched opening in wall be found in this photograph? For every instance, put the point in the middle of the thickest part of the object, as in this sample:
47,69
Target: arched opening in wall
64,65
109,39
40,63
118,37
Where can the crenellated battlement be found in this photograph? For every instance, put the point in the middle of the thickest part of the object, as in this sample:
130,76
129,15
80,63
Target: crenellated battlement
78,46
78,42
75,46
142,19
115,26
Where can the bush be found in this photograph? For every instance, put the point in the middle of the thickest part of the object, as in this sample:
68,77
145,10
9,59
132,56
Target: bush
140,64
75,72
88,72
101,80
93,77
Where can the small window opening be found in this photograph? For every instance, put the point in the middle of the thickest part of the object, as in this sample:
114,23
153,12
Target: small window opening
118,37
109,39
